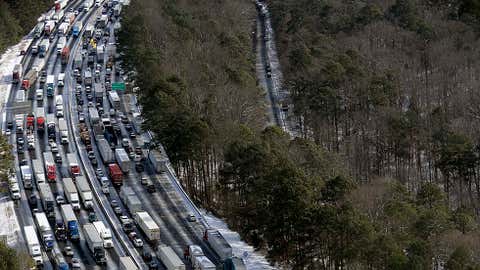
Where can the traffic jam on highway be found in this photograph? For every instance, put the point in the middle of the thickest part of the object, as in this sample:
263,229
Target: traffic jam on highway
91,188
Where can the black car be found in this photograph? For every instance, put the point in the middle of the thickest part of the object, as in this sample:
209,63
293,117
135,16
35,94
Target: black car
32,201
153,265
151,188
10,124
139,167
147,255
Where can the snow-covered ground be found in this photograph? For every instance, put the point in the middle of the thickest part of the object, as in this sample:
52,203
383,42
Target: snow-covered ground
253,260
8,60
9,227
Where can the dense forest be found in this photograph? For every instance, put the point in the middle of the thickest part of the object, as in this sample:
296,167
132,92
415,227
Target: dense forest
17,18
385,174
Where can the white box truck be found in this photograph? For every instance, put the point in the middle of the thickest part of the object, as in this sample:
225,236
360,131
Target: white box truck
85,192
148,226
94,243
33,244
114,100
71,193
218,243
169,258
26,176
48,201
105,233
126,263
122,159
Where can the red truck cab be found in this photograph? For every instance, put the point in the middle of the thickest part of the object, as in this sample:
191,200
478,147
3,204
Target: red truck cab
30,120
25,84
116,174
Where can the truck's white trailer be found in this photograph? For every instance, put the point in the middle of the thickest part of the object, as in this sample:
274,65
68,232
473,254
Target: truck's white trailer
94,116
71,193
45,230
203,263
85,191
148,225
48,201
105,151
62,126
169,258
126,263
114,99
33,244
94,243
158,161
130,199
105,233
122,159
219,244
38,171
62,41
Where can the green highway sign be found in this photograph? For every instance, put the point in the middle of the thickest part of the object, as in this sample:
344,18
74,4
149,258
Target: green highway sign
118,86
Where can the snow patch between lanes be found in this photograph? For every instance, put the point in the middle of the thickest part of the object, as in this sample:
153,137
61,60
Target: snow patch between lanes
253,259
9,227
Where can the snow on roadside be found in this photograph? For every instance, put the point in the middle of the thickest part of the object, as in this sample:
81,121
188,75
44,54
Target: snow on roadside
253,260
9,227
8,60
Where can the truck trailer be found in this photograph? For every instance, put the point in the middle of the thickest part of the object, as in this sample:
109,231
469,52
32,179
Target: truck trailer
26,176
105,151
62,126
71,193
38,171
104,233
94,243
85,191
48,201
71,222
45,230
33,244
218,243
51,130
148,226
169,258
50,166
130,199
158,161
122,159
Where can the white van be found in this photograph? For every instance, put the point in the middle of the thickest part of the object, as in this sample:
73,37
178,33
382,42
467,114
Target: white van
61,80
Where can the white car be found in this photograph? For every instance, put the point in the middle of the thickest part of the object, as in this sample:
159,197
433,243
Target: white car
106,189
8,132
137,242
75,263
68,251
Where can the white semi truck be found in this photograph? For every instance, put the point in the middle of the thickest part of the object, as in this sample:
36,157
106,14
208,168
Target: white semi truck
169,258
148,226
105,233
85,192
71,193
33,244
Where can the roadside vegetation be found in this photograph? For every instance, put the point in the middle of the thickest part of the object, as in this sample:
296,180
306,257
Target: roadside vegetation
386,174
17,18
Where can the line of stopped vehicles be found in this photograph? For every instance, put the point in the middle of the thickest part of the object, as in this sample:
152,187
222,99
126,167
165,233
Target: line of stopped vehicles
101,123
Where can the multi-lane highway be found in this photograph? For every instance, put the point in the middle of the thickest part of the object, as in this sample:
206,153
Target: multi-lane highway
87,74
